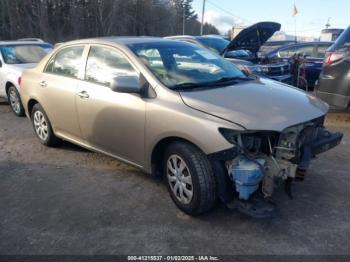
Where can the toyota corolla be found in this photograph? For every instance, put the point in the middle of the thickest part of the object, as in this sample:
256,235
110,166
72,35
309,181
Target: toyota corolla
178,111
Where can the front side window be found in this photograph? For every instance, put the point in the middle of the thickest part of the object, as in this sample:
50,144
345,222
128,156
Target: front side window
66,62
24,54
104,64
287,52
321,51
179,64
306,50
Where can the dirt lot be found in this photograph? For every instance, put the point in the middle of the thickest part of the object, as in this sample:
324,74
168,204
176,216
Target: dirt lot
72,201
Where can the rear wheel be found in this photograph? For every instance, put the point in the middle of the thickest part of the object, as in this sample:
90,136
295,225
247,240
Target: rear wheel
190,179
42,127
14,100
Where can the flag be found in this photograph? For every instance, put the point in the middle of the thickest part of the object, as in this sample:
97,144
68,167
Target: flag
294,10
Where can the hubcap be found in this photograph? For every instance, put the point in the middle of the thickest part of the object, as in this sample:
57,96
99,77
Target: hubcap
179,179
14,101
40,125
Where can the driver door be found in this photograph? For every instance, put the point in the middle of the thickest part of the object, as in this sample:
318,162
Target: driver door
110,122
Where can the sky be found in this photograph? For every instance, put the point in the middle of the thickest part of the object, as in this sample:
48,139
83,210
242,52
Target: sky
310,20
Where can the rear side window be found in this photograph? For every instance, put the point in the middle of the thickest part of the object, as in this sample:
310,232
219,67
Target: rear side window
104,64
66,62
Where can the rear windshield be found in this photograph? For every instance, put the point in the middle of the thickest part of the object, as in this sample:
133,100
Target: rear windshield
343,41
24,54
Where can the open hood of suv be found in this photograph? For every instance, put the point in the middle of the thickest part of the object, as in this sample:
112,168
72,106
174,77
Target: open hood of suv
259,104
253,37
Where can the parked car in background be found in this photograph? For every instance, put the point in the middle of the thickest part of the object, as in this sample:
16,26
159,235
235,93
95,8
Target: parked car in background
334,82
314,53
15,57
178,111
245,47
214,43
271,45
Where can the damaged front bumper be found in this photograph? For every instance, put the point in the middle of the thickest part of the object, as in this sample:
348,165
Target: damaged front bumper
259,161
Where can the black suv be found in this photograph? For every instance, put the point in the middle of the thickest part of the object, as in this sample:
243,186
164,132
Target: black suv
334,83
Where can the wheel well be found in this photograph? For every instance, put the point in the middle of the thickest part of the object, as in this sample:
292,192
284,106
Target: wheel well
7,86
158,152
31,104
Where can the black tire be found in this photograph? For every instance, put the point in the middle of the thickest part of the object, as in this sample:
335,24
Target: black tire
49,138
204,195
16,103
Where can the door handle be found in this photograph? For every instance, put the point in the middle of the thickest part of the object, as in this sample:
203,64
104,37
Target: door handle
43,84
83,94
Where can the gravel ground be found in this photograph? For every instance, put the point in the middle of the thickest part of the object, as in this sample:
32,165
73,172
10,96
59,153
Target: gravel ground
68,200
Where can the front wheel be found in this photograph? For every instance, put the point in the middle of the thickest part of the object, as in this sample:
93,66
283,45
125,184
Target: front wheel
42,127
14,100
190,179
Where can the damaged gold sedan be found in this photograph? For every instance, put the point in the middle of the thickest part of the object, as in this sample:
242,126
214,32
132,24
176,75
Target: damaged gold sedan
178,111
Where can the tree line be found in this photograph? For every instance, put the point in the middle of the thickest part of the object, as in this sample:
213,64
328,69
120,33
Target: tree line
63,20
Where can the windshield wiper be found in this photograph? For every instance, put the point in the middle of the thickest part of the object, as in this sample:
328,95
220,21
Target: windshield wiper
187,85
232,78
220,81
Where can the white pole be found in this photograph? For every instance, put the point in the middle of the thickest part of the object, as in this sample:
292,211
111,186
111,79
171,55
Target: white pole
295,28
203,10
295,24
183,20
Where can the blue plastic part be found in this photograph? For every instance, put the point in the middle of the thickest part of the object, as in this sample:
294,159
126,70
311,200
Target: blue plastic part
247,175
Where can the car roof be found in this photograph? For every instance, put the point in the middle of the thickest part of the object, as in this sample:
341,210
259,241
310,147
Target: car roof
122,40
23,43
306,43
298,44
180,37
194,36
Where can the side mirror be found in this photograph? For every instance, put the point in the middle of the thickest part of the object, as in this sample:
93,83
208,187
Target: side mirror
126,84
0,63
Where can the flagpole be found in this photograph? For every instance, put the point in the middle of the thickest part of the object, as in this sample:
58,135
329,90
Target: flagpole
295,25
295,28
202,24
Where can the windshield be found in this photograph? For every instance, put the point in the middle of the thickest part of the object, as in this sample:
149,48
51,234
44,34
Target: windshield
179,65
24,54
216,44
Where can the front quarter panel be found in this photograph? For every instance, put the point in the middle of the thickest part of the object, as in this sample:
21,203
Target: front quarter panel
168,117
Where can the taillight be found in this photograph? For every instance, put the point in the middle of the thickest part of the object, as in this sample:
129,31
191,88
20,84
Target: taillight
19,80
332,57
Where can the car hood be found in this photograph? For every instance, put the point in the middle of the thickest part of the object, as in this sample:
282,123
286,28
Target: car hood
253,37
259,104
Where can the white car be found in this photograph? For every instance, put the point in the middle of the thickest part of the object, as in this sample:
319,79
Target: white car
15,57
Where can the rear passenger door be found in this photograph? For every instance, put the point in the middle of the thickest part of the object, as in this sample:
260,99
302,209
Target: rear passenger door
110,121
58,85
